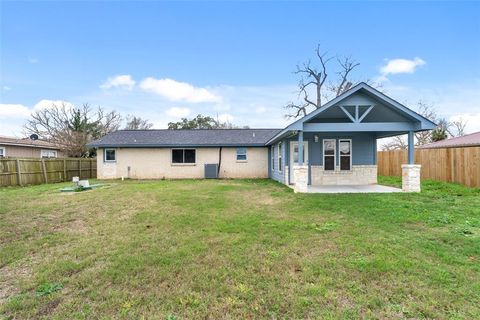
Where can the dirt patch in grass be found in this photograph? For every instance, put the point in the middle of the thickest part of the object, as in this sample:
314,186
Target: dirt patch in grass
48,307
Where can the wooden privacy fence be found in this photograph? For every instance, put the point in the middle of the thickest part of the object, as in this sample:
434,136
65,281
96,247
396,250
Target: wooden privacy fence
19,172
461,165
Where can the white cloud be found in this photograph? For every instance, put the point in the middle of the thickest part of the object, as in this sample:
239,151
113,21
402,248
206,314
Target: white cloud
8,111
178,91
6,88
33,60
396,66
124,81
225,117
45,103
178,112
14,116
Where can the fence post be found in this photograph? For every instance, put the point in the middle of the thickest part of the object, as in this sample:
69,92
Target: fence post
64,170
19,175
44,171
80,168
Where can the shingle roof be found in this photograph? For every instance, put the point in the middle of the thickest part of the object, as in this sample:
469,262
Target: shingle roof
185,138
27,142
468,140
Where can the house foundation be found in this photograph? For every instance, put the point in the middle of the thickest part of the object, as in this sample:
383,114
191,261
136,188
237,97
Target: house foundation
359,175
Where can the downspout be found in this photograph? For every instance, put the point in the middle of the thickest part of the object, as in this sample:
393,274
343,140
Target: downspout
219,161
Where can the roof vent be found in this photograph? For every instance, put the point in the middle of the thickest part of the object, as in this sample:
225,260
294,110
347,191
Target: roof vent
253,133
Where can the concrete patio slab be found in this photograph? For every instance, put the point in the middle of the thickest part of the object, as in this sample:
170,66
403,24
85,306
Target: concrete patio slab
369,188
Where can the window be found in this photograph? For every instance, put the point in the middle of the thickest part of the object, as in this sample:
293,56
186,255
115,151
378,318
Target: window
2,152
280,145
345,148
180,156
48,154
110,155
241,154
273,158
329,154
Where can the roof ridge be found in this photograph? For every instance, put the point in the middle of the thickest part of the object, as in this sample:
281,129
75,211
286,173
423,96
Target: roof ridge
202,129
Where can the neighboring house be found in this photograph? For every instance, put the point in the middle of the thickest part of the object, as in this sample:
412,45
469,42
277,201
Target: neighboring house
468,140
335,144
28,148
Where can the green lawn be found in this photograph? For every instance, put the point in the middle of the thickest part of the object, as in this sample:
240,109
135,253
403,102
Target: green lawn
238,249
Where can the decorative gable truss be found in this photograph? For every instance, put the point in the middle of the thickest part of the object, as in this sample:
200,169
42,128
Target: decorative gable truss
361,109
357,115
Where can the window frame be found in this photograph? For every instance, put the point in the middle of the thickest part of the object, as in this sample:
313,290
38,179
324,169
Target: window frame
334,154
183,163
105,155
272,157
340,155
280,156
241,154
48,152
4,152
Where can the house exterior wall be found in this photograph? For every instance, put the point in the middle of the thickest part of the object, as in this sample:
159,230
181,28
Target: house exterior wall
155,163
25,151
364,169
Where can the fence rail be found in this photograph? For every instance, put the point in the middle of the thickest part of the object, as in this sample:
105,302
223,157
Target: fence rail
460,165
19,172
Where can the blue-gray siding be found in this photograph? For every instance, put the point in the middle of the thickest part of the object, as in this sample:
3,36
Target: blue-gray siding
363,150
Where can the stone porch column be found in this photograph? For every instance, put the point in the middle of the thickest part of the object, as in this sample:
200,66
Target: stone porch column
411,177
411,171
300,174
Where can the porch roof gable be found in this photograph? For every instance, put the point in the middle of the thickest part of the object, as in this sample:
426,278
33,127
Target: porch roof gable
415,121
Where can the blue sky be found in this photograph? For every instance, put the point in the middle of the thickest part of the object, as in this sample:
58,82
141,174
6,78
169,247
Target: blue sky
165,60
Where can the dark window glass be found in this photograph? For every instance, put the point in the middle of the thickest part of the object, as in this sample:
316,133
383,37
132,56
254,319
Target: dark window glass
189,155
273,158
329,147
329,163
345,163
241,153
280,155
177,156
345,154
109,155
344,147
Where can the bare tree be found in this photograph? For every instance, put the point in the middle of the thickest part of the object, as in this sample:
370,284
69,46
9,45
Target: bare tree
457,127
347,65
316,77
428,111
137,123
396,143
443,130
72,128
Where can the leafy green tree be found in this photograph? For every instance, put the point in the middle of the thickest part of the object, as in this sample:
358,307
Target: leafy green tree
438,134
200,122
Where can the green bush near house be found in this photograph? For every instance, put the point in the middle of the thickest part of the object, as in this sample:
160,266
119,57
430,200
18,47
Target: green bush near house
238,249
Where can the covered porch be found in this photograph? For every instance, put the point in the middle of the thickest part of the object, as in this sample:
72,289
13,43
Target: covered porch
334,148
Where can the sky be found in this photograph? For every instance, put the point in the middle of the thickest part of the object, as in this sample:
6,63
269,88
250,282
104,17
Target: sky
233,60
